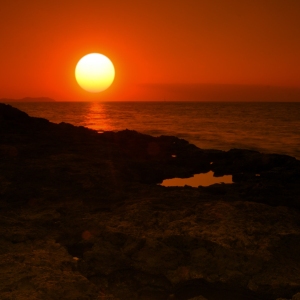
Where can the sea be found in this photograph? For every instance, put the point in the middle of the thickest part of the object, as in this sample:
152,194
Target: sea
265,127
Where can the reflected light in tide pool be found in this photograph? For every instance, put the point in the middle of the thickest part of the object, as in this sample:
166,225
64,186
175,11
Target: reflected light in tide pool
205,179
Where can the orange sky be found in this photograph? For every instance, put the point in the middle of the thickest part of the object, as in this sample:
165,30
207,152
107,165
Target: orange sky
164,49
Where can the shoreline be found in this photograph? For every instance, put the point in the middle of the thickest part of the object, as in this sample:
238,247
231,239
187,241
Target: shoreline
116,117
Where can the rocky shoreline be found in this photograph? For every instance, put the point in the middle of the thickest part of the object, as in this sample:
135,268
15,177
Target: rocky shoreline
83,217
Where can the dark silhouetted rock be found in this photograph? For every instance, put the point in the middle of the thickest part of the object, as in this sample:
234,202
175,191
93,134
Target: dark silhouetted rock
83,217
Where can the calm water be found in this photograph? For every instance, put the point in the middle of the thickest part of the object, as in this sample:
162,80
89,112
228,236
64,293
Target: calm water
267,127
204,179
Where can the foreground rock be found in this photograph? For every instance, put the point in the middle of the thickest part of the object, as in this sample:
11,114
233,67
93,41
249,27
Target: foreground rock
83,217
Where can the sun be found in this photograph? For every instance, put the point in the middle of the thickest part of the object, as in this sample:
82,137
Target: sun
95,72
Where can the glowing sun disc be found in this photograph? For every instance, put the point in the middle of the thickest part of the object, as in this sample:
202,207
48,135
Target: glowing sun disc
94,72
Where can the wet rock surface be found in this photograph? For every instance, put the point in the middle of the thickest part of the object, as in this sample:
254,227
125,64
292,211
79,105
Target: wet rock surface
83,217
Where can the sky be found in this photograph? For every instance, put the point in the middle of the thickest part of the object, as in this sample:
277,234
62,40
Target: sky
207,50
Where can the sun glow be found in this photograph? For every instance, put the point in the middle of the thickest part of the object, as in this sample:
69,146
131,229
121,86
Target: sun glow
94,72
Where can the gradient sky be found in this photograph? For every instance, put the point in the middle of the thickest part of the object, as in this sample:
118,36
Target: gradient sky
161,49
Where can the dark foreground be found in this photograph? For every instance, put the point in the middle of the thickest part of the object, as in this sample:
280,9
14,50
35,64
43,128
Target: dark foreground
82,217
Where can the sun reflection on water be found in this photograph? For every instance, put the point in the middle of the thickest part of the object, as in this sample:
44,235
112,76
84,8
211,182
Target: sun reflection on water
96,118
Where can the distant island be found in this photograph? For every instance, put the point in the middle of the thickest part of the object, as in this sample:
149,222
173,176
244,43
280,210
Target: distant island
28,99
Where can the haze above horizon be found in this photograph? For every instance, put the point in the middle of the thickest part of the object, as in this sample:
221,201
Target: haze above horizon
198,93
